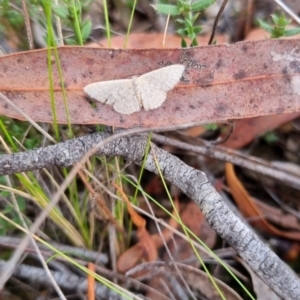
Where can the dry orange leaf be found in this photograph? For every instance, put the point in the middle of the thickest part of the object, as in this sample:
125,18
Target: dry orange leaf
91,282
146,248
243,80
148,245
250,210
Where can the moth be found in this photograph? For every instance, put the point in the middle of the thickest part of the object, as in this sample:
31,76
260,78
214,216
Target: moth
127,96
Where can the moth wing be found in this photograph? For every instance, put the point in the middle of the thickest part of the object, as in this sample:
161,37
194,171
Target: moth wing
153,98
153,86
117,93
126,101
103,90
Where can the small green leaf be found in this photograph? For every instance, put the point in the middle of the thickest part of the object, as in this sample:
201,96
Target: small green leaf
291,32
194,43
166,9
212,126
197,29
182,32
86,29
3,231
7,209
15,18
78,6
184,9
271,137
278,29
71,42
191,36
71,12
265,26
180,21
195,17
280,20
2,181
61,11
189,23
183,2
201,5
284,22
183,43
275,18
21,203
31,143
277,32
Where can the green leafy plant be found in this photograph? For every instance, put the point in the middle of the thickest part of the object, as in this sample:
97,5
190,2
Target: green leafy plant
12,22
14,17
212,126
71,13
271,137
20,131
188,12
5,227
278,28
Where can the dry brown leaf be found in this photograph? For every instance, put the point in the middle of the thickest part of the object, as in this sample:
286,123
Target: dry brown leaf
197,279
194,219
277,216
148,245
243,80
246,130
182,251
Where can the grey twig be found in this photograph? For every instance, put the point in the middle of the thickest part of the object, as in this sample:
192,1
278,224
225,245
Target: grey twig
13,242
69,282
236,157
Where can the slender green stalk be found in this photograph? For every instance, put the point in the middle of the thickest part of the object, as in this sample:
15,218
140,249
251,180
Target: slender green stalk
7,135
76,23
66,105
51,43
107,26
130,24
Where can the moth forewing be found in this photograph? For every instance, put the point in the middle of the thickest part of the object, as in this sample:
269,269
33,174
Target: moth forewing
102,90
